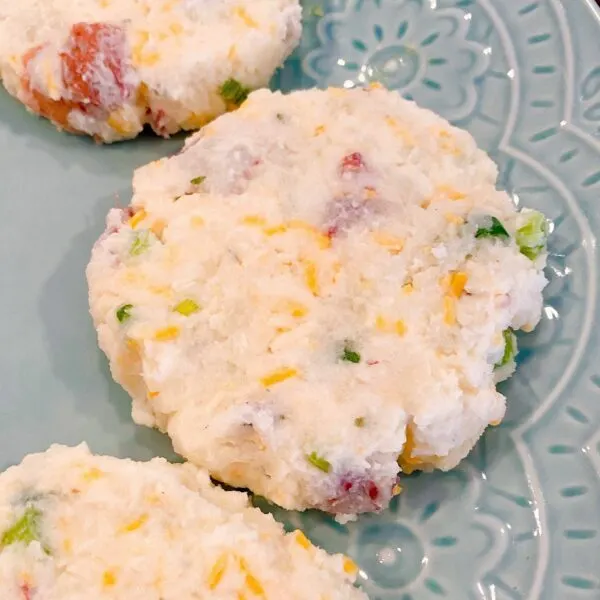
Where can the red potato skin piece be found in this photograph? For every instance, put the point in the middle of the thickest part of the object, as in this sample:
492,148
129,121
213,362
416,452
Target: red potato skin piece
55,110
156,120
25,591
90,47
359,494
353,163
349,208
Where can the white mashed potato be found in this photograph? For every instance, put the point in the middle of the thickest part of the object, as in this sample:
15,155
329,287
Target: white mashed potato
75,526
319,289
108,67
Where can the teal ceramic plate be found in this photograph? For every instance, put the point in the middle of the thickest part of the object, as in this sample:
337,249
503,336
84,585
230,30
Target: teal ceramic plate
521,517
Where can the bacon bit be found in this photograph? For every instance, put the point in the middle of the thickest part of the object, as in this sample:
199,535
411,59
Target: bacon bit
353,163
372,363
278,376
93,49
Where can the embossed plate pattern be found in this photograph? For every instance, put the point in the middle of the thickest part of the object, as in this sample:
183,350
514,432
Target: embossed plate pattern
520,519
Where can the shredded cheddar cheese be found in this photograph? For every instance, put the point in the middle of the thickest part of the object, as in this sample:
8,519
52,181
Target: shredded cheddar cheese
278,376
218,570
167,334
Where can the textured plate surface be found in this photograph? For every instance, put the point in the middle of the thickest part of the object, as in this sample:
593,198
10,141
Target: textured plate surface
520,519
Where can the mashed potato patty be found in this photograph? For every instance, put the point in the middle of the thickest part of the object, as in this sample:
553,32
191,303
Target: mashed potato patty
320,289
106,68
76,526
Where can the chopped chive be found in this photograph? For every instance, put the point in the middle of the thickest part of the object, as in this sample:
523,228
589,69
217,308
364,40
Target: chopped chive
359,422
532,235
233,91
140,244
350,355
318,461
26,529
123,312
187,307
198,180
510,348
496,229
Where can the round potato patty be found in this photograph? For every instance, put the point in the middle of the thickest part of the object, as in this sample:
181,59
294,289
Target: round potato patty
74,525
107,68
319,290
